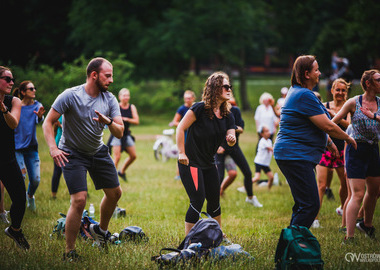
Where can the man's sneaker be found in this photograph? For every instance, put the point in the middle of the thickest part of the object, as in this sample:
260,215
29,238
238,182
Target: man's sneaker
254,201
4,217
339,211
122,175
241,189
100,238
329,194
71,256
31,203
369,231
316,224
18,237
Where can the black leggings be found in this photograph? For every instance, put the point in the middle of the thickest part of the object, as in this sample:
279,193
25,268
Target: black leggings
55,178
10,175
201,184
238,157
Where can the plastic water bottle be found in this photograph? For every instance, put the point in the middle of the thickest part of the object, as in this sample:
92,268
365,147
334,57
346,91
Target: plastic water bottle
91,210
115,213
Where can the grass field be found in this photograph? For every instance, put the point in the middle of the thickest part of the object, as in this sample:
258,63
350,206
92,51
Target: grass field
157,203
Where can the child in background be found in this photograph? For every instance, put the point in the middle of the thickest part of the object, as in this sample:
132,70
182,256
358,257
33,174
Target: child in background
264,156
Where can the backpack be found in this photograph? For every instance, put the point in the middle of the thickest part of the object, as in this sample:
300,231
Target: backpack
176,256
298,248
133,233
206,231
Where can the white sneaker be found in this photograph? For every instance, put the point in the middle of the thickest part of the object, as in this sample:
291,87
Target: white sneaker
316,224
254,201
276,179
241,189
339,211
4,217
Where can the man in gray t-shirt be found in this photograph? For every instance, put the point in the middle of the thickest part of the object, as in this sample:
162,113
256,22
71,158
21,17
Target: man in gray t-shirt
87,109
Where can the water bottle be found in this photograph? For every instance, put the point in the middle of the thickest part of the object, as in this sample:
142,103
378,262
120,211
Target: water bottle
115,213
276,180
92,210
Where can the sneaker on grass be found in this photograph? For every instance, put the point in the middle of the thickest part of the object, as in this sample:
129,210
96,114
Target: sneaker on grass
241,189
122,175
316,224
4,217
18,237
254,201
31,203
71,256
100,237
369,231
349,241
339,211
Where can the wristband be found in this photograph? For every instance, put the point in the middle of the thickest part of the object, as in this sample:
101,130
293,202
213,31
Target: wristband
111,121
6,111
374,116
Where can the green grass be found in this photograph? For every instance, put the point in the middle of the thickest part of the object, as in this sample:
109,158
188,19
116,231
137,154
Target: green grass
157,203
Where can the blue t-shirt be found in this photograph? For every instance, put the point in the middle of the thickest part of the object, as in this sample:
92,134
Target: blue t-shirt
298,138
182,110
25,133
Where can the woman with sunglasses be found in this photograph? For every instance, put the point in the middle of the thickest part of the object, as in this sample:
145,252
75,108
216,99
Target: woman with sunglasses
26,138
208,123
10,173
363,163
302,139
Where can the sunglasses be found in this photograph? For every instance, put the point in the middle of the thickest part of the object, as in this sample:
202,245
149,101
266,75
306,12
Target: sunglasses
8,79
31,88
227,87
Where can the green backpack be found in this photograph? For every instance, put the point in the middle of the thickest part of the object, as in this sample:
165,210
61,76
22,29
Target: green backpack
298,248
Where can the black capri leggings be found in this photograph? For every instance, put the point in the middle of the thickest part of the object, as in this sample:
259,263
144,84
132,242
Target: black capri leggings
238,157
55,178
10,175
201,184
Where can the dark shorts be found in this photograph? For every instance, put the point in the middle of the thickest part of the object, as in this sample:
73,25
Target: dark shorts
332,162
100,167
259,167
362,162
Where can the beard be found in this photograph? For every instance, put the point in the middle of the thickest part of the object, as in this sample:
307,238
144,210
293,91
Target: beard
101,87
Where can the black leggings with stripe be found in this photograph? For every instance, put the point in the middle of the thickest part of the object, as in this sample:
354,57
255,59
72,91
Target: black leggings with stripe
11,177
201,184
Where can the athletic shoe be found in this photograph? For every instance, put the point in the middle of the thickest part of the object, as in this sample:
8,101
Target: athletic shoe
31,203
343,230
122,175
100,238
369,231
4,217
177,177
316,224
349,241
339,211
18,237
241,189
254,201
71,256
329,194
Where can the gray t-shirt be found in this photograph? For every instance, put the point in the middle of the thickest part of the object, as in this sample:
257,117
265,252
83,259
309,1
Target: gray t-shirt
79,131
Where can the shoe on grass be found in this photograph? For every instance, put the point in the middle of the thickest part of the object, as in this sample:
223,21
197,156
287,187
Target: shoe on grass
31,203
122,175
4,217
342,230
101,238
369,231
316,224
18,237
71,256
254,201
329,194
349,241
339,211
241,189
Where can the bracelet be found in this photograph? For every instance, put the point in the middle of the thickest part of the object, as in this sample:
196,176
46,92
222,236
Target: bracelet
374,116
329,143
111,121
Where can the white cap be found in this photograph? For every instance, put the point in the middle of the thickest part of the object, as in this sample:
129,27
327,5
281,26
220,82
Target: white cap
284,90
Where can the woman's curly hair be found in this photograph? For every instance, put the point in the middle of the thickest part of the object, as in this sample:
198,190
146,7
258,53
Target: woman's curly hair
212,91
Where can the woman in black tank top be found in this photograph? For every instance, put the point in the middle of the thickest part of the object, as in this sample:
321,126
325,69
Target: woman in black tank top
10,173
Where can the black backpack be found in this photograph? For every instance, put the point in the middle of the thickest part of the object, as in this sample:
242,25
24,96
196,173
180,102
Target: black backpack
206,231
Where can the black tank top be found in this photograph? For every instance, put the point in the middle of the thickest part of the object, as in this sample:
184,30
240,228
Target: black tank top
7,135
126,113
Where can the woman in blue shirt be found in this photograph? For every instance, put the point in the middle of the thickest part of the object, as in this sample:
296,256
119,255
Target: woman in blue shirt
26,138
302,139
